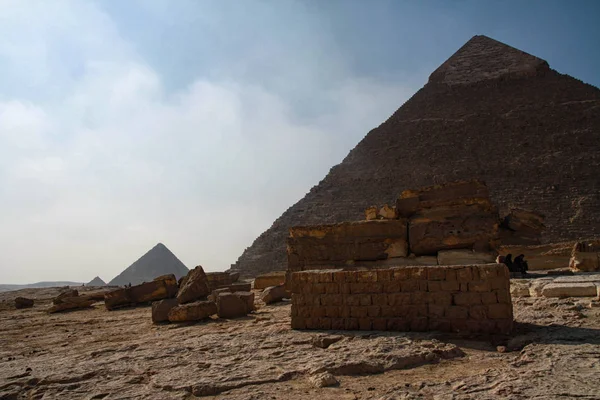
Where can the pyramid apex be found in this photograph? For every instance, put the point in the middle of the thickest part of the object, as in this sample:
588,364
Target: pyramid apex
483,58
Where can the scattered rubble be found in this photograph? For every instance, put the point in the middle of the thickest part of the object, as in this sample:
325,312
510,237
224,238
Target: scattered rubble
70,300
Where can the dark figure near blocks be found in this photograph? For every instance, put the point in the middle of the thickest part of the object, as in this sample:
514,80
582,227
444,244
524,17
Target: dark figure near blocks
519,264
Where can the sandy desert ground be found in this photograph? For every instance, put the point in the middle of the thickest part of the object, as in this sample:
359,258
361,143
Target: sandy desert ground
97,354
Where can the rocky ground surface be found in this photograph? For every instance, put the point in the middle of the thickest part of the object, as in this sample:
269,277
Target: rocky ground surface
97,354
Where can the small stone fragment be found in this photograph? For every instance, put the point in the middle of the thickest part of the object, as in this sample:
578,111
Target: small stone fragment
325,341
324,379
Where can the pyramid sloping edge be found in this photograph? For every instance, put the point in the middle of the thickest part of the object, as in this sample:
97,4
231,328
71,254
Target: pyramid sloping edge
483,58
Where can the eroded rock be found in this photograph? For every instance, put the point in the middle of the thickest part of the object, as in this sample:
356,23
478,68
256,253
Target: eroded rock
274,294
23,302
163,287
324,341
161,309
234,305
195,286
70,303
195,311
324,379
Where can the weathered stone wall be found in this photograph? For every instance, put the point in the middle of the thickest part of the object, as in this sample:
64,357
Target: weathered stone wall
339,245
473,298
218,279
454,222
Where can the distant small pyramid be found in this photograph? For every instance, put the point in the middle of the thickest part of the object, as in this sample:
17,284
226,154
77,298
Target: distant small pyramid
96,282
156,262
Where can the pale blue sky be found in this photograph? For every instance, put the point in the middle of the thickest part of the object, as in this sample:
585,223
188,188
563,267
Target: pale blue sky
197,123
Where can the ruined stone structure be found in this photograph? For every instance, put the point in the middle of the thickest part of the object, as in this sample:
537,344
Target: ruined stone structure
455,223
490,112
444,298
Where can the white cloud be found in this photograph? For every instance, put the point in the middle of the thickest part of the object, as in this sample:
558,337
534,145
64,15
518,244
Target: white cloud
95,176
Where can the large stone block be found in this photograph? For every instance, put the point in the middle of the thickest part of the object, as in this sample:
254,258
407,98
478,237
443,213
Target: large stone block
216,280
541,257
161,309
117,298
568,289
585,262
195,311
456,227
195,286
160,288
71,303
525,222
585,256
464,257
232,305
23,302
163,287
271,279
274,294
327,246
450,194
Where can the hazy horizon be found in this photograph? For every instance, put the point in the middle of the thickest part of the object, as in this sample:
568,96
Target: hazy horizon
197,123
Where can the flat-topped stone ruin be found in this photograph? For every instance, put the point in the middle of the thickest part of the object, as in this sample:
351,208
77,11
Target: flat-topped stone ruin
454,223
369,274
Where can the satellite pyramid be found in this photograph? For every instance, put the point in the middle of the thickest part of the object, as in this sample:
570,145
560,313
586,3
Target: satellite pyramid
96,282
490,112
156,262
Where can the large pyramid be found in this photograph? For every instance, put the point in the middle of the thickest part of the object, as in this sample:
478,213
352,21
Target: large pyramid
156,262
490,112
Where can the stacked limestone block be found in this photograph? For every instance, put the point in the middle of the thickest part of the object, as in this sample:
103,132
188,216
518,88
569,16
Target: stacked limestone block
522,227
455,216
458,215
472,299
340,245
217,280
